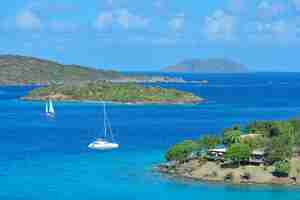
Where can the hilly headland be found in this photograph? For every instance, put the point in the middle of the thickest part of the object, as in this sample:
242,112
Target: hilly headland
263,152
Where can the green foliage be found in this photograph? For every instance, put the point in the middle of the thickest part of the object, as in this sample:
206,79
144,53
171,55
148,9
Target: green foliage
208,142
238,152
181,151
257,142
232,135
106,91
282,168
296,124
270,128
280,148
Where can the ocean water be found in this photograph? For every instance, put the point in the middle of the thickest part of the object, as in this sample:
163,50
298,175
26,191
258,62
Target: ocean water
48,159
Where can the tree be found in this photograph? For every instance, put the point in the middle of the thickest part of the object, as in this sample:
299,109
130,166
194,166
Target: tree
237,153
256,142
282,168
280,148
208,142
181,151
271,128
231,136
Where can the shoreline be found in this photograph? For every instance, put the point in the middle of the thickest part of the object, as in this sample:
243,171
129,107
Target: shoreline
177,178
190,172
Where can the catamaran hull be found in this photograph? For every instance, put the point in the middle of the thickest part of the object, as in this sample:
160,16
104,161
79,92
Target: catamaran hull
103,147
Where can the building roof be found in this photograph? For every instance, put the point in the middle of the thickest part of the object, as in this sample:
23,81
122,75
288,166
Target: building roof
259,152
252,135
220,150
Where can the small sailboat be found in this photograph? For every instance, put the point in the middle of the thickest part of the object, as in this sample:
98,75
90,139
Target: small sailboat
49,109
107,142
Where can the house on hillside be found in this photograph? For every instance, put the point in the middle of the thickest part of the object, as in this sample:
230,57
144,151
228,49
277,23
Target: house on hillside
257,157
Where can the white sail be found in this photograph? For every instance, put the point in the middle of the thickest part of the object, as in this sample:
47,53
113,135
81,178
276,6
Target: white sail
51,109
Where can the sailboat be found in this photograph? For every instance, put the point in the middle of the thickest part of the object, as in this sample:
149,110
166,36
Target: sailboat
106,142
49,109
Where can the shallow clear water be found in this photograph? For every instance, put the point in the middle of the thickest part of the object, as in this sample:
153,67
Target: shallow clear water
47,159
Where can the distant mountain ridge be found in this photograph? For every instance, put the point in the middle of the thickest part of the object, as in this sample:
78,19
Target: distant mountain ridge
216,65
15,69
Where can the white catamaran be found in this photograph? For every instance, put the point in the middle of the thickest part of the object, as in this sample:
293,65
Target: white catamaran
50,109
107,142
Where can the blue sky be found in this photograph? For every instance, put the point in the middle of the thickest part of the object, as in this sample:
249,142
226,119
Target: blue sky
146,35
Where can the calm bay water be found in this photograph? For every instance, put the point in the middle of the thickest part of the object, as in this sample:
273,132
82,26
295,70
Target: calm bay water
48,159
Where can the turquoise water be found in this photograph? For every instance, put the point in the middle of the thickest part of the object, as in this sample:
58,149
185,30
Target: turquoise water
48,159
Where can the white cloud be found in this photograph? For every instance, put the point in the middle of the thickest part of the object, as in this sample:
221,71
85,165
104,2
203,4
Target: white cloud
177,22
122,18
279,31
104,20
220,26
128,20
27,20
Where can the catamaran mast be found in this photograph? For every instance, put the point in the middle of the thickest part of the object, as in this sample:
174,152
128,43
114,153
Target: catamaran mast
104,119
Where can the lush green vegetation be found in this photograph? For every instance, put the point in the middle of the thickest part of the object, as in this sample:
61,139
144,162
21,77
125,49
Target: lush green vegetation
232,135
106,91
181,151
238,152
279,140
282,168
208,142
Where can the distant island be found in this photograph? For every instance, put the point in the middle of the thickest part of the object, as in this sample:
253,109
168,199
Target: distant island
112,92
23,70
206,66
264,152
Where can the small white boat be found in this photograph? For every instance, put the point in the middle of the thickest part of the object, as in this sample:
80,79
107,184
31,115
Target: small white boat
49,109
107,142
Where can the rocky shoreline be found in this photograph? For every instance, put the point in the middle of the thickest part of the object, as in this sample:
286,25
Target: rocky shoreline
208,171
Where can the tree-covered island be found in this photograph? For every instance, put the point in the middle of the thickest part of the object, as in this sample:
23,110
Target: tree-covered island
263,152
112,92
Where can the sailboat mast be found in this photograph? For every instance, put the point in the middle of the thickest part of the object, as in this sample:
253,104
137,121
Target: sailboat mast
46,109
104,119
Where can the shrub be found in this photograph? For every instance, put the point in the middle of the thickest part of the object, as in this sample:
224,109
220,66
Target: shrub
231,136
280,148
208,142
271,128
237,153
256,142
282,168
181,151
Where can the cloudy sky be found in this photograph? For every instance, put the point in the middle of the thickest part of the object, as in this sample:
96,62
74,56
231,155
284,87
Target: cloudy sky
149,34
